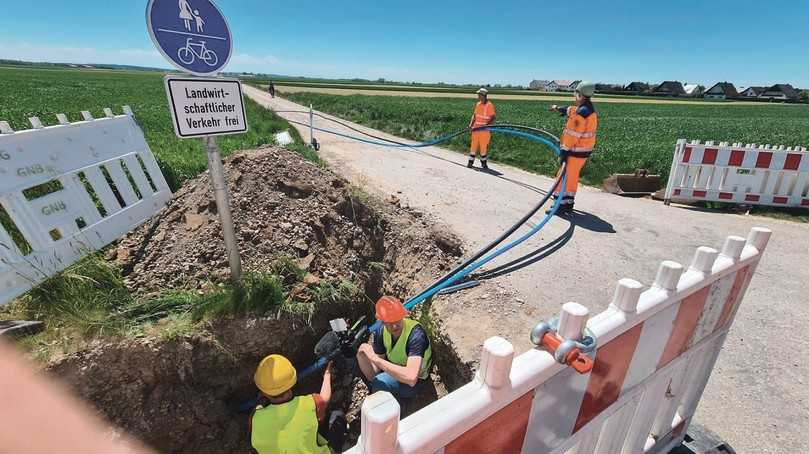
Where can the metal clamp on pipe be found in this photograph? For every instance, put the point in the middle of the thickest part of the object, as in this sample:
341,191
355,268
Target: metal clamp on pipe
574,353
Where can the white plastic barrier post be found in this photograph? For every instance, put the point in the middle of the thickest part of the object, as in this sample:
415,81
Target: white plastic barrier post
572,320
732,173
655,352
380,424
495,365
68,190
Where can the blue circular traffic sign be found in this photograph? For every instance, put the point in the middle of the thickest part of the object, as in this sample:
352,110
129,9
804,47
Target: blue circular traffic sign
192,34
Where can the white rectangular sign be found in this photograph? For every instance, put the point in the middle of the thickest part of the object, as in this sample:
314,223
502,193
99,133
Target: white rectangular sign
205,107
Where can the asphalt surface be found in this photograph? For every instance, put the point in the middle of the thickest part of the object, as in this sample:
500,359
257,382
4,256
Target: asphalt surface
757,398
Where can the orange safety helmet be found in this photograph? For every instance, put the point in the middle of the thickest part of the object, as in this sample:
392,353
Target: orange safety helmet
390,310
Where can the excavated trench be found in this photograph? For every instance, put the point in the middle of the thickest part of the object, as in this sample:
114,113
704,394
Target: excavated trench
182,394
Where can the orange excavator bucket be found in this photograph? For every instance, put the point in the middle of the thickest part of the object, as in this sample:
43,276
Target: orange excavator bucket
635,184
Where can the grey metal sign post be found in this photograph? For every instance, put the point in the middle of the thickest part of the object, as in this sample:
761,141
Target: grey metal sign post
197,40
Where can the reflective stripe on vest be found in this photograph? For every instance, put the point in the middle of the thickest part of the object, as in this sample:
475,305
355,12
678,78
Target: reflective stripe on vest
288,428
398,354
483,118
579,134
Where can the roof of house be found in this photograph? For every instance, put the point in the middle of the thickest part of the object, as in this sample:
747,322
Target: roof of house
540,82
637,86
690,88
670,86
756,89
563,83
786,89
726,88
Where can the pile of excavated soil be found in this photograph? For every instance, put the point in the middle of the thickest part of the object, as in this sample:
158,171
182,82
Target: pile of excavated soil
181,395
282,205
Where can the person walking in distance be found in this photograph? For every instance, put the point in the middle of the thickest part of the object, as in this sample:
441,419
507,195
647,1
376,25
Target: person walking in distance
483,115
577,141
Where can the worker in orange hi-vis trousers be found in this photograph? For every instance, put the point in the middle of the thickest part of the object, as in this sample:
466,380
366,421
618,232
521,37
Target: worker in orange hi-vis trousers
482,116
577,141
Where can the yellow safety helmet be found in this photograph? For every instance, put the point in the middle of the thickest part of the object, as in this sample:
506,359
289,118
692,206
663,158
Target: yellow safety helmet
275,375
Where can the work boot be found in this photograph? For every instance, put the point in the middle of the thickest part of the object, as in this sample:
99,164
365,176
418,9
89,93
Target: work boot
471,163
484,164
563,209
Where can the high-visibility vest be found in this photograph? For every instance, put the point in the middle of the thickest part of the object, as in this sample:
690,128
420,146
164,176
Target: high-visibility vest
579,135
483,113
397,354
288,428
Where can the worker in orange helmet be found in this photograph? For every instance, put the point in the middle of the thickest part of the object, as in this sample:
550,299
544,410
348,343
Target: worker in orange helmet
285,423
483,115
577,141
399,359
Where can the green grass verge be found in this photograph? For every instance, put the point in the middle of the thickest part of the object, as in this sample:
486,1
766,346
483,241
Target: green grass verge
89,301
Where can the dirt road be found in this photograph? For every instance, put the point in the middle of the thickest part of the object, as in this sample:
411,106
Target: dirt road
757,399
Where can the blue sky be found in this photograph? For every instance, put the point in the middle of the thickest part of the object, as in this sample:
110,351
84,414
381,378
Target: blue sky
745,42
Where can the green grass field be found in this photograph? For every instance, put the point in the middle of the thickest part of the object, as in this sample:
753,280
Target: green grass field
630,136
89,298
27,92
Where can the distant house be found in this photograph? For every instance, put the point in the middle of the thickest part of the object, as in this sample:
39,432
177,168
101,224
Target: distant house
722,90
609,87
541,85
784,92
561,85
693,90
670,88
573,85
752,92
637,87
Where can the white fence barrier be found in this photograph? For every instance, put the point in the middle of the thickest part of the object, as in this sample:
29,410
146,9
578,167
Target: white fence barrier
68,190
656,350
749,174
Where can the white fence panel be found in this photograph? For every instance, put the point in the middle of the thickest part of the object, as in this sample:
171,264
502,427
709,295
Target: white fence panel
732,173
69,190
655,352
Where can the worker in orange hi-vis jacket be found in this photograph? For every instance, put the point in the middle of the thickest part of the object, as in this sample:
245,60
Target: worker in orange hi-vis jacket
577,141
483,115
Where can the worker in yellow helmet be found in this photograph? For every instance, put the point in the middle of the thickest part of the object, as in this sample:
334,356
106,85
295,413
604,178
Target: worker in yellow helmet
400,357
577,140
286,424
483,115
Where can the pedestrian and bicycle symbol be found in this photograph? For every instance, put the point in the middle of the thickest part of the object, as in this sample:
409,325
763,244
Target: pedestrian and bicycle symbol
192,34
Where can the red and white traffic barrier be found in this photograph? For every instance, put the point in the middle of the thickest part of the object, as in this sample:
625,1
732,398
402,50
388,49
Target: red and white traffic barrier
655,352
749,174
